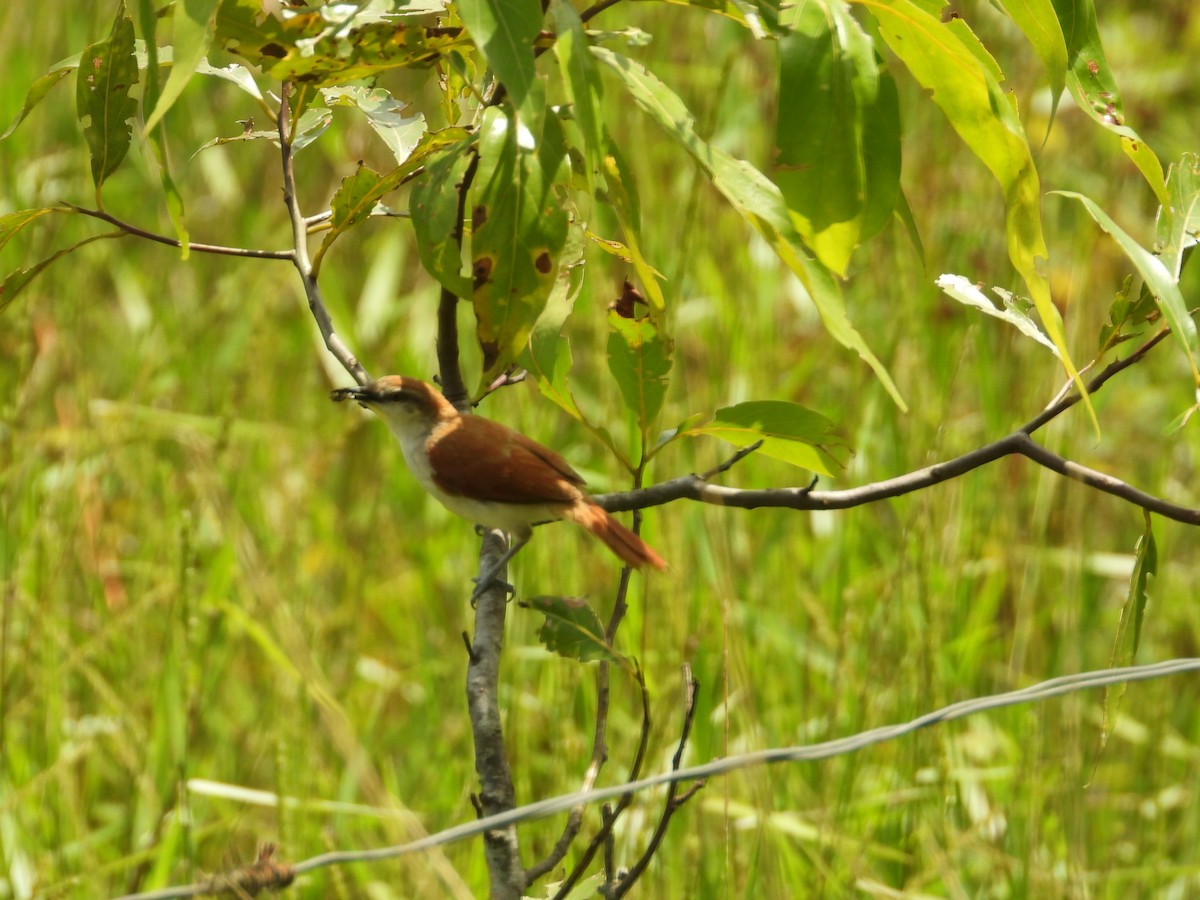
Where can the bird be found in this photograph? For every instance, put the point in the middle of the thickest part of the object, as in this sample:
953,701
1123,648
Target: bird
489,474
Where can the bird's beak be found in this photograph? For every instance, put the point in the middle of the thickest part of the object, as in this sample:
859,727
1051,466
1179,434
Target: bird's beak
362,395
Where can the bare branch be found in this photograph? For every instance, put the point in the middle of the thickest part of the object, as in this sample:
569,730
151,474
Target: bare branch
1060,405
698,488
599,745
732,461
299,255
674,800
1106,483
449,368
595,9
173,242
496,795
602,838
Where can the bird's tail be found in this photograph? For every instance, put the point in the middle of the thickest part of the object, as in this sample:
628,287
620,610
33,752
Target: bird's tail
619,539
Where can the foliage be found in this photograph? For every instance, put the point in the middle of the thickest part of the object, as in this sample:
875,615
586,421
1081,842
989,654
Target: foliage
206,578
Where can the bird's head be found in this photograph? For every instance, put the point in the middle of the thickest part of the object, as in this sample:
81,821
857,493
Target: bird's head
403,402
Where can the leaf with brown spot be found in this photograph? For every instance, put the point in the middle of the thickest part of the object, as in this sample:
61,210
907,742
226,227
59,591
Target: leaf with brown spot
523,191
481,270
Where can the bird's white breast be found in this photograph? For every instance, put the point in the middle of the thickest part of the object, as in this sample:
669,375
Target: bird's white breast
513,518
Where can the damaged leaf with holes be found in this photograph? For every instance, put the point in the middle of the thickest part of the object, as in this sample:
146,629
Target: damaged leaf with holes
519,221
323,47
573,629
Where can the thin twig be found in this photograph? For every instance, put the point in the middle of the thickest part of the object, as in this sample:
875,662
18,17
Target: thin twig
602,837
599,742
595,764
731,462
299,255
449,367
173,242
610,843
595,9
674,799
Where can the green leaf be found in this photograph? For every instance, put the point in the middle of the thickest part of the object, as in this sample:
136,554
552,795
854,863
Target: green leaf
583,87
1039,23
573,629
755,197
434,207
37,92
623,199
17,280
519,227
353,201
640,361
548,356
952,64
904,214
359,195
789,432
1148,164
1179,218
13,222
837,132
385,115
193,27
1129,628
1094,89
148,46
1090,78
1160,281
102,96
505,32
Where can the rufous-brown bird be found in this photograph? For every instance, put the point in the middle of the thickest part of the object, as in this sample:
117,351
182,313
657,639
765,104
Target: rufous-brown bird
489,474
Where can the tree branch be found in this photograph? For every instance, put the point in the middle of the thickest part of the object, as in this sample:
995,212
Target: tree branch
173,242
698,488
496,794
300,257
502,850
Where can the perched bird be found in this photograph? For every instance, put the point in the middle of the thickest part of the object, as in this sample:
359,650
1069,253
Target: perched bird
489,474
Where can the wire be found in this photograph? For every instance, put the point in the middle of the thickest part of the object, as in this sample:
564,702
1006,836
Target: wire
1044,690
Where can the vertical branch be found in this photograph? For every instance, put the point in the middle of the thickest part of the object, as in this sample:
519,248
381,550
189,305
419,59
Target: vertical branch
300,257
496,792
447,334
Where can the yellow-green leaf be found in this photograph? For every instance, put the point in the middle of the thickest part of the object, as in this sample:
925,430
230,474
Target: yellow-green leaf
947,62
788,431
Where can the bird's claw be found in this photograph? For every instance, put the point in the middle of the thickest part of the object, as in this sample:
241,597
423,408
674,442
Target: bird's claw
483,585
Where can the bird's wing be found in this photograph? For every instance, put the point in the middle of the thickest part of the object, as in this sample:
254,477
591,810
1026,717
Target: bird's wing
478,458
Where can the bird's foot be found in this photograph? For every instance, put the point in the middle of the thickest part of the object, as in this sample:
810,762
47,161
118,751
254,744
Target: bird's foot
483,585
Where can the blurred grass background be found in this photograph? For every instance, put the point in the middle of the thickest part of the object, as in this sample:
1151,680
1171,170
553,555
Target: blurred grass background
210,572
